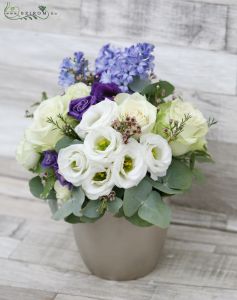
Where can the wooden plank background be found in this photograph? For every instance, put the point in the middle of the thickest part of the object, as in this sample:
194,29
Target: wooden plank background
196,49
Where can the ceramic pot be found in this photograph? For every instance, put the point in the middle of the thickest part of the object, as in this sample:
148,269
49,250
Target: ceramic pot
113,248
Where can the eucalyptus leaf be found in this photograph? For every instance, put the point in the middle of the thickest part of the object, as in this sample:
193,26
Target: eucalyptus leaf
36,186
53,205
157,91
198,175
48,186
179,176
64,211
115,205
72,219
155,211
65,142
78,198
136,220
164,89
92,209
84,219
138,84
135,196
164,188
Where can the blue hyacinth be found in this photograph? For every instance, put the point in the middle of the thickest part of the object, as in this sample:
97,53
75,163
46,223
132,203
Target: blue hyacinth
73,69
120,66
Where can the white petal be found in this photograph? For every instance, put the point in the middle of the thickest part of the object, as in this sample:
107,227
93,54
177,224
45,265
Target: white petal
99,115
73,164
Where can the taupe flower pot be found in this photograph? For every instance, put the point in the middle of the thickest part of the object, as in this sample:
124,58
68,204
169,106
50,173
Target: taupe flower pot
114,249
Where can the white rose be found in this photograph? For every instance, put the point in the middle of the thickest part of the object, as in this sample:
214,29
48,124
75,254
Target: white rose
26,154
99,183
41,133
103,145
101,114
73,164
158,154
137,106
195,129
76,91
129,167
63,193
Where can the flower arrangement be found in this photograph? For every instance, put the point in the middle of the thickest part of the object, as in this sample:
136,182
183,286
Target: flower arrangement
116,140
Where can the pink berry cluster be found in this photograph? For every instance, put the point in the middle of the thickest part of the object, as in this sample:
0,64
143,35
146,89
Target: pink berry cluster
110,197
127,127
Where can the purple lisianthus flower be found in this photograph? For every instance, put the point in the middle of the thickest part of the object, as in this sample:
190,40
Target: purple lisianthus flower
50,159
104,90
62,180
77,107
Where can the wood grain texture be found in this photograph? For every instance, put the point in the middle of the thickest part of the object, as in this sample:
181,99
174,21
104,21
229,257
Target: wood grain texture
179,292
9,225
232,29
186,23
7,246
12,293
171,22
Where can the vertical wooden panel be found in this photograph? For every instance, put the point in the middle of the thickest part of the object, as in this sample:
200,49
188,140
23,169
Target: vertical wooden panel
200,25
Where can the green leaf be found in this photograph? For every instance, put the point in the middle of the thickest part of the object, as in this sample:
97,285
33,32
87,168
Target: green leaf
92,209
88,220
164,188
36,186
65,142
53,205
48,186
179,176
64,211
198,175
119,192
120,213
138,84
78,198
72,219
115,205
164,89
136,220
157,90
135,196
155,211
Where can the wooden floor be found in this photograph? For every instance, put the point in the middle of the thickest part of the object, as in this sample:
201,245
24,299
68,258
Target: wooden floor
39,259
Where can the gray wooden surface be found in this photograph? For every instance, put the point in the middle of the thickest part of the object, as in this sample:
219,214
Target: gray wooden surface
39,258
196,49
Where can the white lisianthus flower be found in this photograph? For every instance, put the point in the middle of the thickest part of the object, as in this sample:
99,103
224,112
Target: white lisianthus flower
129,167
63,193
195,129
41,133
137,106
26,154
98,115
99,183
73,164
103,145
157,153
